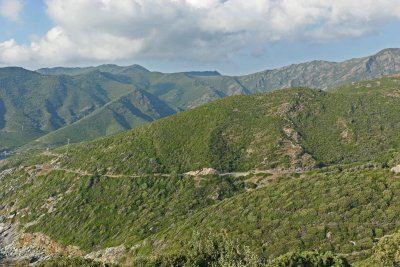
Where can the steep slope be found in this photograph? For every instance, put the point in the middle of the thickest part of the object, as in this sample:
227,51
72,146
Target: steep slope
236,133
286,129
162,95
126,112
339,210
33,104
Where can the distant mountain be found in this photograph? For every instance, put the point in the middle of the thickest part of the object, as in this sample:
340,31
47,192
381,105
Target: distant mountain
34,104
324,74
124,113
110,68
203,73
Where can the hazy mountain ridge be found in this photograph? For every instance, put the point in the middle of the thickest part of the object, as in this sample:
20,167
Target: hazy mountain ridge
110,68
325,74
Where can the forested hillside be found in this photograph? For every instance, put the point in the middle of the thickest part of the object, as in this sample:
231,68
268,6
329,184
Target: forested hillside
296,175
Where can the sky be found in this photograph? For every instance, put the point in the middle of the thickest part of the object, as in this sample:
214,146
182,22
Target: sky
231,36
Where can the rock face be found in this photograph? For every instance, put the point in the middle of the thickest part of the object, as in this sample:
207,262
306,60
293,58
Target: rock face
396,169
26,247
10,253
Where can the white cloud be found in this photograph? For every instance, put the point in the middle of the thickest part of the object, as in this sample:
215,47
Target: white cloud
11,9
112,30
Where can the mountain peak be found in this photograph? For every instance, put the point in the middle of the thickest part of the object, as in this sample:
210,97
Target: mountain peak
389,50
203,73
137,68
16,71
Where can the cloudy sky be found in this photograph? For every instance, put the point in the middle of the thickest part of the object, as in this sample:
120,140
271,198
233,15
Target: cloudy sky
232,36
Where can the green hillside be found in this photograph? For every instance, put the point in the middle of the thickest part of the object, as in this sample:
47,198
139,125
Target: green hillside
301,171
126,112
286,129
33,104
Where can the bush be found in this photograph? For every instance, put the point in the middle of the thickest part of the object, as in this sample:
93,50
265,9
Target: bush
205,250
309,259
72,262
387,251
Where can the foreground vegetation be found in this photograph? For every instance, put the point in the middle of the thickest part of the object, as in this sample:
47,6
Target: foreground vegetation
340,209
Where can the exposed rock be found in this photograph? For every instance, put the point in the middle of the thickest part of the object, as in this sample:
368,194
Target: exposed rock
395,93
108,255
26,247
346,133
10,253
396,169
6,172
44,243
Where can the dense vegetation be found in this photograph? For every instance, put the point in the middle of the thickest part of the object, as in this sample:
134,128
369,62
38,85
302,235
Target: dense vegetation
289,129
228,135
96,211
71,262
387,251
340,209
219,251
326,193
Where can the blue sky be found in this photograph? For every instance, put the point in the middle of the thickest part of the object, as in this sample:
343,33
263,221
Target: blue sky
233,37
34,22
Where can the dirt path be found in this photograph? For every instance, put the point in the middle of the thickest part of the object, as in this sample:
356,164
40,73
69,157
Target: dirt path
46,168
234,174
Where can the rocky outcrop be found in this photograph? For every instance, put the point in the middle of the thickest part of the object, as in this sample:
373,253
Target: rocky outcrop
108,255
396,169
29,247
10,253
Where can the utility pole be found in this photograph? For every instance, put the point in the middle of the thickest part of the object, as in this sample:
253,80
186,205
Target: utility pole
68,147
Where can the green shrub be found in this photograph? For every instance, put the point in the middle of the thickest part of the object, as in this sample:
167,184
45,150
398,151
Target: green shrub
387,251
309,259
206,250
72,262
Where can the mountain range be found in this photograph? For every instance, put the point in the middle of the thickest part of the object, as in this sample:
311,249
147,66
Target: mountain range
50,106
